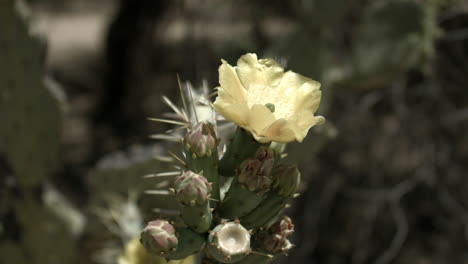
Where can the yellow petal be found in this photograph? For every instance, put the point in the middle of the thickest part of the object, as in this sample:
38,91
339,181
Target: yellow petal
237,113
251,71
302,122
279,131
231,87
260,117
307,96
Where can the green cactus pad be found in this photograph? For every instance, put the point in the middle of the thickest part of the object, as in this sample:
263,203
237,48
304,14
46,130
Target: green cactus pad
238,201
242,146
198,218
189,244
256,259
286,179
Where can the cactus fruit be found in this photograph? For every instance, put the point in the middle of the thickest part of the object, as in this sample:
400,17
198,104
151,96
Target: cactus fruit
192,192
286,179
201,153
163,239
252,181
229,242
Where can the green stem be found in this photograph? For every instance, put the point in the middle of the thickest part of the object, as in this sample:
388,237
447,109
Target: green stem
207,167
269,208
198,218
238,201
242,146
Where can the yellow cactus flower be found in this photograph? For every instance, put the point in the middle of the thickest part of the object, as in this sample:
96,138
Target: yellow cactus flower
272,104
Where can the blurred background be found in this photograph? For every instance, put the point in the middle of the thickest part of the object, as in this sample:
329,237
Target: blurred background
384,179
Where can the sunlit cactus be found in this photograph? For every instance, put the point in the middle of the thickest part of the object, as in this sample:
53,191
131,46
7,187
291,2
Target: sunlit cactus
232,192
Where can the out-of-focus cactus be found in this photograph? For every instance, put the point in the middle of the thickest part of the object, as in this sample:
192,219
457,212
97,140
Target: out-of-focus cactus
255,185
29,113
29,142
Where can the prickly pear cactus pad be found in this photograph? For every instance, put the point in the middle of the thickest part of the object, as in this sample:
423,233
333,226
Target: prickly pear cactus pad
30,116
232,193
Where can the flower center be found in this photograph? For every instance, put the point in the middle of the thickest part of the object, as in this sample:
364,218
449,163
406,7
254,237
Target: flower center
279,103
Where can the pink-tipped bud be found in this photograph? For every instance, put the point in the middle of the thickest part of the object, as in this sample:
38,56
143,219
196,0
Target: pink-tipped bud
158,237
201,140
283,227
255,173
192,189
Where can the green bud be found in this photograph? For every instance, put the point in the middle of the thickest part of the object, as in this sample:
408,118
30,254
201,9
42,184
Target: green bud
286,179
192,189
201,140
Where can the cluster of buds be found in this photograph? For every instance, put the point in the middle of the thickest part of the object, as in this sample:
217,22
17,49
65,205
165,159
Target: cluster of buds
227,202
275,240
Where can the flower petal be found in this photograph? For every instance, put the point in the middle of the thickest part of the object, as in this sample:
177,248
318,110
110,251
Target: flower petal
252,72
279,131
237,113
231,87
260,117
307,96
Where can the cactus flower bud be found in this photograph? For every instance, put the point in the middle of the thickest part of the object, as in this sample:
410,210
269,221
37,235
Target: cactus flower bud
286,179
283,227
276,244
229,242
159,237
255,173
192,189
201,140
